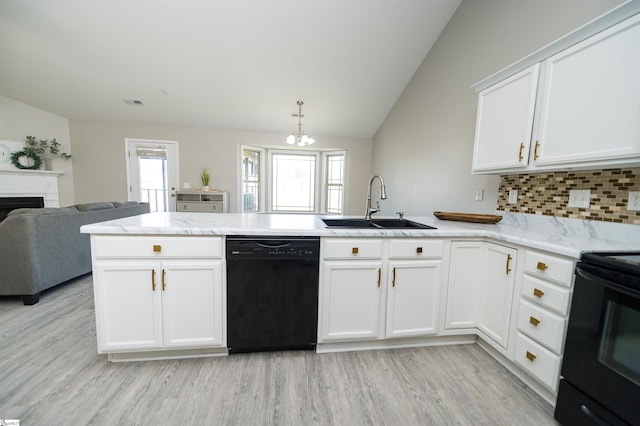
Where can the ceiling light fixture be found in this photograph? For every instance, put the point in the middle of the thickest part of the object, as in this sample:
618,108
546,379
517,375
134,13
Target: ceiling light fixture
299,137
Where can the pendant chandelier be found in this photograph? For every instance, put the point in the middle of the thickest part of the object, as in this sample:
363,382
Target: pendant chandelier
299,137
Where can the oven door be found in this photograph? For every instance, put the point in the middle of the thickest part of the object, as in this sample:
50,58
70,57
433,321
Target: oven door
602,351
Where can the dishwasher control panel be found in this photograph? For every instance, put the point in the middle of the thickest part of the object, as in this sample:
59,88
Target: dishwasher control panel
304,248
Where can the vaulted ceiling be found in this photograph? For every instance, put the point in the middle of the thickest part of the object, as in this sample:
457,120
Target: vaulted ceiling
233,64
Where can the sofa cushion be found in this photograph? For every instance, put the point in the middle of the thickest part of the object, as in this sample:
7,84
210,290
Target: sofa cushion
94,206
118,204
43,211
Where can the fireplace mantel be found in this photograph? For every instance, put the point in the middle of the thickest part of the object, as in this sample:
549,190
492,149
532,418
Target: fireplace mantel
31,183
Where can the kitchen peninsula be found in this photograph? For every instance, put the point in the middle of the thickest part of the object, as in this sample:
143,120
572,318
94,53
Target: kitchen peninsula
458,283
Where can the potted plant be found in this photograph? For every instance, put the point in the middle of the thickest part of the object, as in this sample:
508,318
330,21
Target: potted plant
205,179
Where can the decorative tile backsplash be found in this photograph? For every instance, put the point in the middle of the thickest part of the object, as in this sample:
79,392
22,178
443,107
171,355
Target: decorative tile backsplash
548,194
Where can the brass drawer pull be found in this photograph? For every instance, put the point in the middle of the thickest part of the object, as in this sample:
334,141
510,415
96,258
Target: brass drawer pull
542,266
379,273
520,157
537,292
508,261
418,250
164,283
153,280
354,250
531,357
535,150
535,321
157,248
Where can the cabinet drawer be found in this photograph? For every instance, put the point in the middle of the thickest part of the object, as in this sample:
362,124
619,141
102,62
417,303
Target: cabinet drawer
546,294
544,327
411,248
152,246
200,207
352,248
538,361
550,267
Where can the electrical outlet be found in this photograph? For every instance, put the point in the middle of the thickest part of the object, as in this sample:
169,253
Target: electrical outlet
513,196
634,201
479,194
186,185
580,198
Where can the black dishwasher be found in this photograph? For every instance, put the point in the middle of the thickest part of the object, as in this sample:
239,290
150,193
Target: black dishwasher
272,293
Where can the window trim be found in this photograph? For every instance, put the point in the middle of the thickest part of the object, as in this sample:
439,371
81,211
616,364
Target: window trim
316,195
265,187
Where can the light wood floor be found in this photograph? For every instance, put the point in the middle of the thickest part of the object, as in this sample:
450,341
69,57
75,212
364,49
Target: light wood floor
50,374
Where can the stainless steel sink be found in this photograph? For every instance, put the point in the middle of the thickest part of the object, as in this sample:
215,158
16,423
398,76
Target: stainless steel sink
375,224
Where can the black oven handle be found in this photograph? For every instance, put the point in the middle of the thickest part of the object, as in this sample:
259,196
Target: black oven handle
588,275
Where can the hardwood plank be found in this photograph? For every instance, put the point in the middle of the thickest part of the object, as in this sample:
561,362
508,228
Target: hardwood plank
50,373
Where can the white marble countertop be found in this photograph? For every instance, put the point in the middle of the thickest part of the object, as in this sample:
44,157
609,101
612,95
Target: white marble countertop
569,237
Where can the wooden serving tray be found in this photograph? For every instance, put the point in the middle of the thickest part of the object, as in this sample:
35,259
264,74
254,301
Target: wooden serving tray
468,217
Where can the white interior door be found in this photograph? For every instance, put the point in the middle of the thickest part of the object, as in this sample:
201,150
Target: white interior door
152,172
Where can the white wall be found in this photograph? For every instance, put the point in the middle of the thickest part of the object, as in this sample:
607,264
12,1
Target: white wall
424,147
98,148
18,120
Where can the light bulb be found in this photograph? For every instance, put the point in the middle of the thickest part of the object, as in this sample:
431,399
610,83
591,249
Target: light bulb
291,139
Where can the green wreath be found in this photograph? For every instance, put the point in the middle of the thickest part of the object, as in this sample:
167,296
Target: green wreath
17,156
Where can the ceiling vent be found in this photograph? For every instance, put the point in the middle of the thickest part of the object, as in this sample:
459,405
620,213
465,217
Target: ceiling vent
133,102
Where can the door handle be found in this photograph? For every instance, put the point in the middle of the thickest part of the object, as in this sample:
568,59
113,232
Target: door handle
379,273
153,280
520,157
164,284
393,280
508,261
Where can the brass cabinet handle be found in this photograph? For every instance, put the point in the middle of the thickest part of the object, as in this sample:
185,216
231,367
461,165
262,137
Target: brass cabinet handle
535,150
418,250
534,321
508,261
153,280
354,250
531,357
379,272
520,157
164,284
537,292
541,266
393,280
157,248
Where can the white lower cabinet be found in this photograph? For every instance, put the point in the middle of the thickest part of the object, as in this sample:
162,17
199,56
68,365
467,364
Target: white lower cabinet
496,294
157,302
372,289
351,301
466,267
412,295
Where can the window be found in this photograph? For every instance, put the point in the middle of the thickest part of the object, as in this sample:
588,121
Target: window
298,181
251,183
334,182
293,182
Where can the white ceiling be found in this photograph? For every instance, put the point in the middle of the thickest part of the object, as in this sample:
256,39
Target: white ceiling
234,64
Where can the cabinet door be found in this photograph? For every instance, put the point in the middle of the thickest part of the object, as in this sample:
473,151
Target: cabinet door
465,271
352,292
192,303
504,123
497,293
412,298
128,306
590,101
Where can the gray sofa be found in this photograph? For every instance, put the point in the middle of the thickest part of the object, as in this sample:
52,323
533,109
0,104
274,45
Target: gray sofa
41,248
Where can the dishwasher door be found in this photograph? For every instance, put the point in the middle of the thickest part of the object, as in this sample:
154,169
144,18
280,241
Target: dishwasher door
272,293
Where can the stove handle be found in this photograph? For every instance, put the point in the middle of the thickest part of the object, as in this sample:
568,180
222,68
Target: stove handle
593,416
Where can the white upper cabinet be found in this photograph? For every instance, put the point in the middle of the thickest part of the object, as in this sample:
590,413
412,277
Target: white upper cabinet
589,109
504,122
586,115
